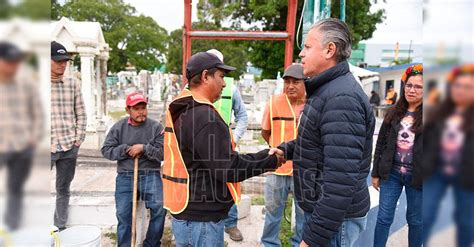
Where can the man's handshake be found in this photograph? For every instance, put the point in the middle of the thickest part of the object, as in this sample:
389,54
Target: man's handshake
279,154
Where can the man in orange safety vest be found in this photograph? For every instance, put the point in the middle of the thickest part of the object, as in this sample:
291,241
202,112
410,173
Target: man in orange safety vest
279,124
201,171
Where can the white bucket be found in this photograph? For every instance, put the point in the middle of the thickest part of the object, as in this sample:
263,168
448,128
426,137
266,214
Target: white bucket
83,236
30,237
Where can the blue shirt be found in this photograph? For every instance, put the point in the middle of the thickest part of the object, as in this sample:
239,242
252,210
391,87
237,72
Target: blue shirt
240,115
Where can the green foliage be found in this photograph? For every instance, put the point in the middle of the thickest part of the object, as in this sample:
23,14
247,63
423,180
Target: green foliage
167,239
112,236
174,53
258,200
285,229
31,9
401,61
272,15
4,9
361,22
134,39
235,52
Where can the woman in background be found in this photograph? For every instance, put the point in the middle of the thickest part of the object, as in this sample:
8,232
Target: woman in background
397,160
448,159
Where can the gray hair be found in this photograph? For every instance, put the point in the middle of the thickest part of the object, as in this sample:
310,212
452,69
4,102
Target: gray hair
336,31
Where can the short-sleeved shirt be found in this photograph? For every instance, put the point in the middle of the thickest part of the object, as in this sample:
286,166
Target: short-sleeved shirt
266,121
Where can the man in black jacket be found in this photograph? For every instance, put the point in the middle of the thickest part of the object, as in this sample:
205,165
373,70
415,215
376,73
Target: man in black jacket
332,153
206,150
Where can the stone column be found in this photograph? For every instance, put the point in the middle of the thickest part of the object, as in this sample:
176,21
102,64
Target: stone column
98,90
43,53
103,76
87,61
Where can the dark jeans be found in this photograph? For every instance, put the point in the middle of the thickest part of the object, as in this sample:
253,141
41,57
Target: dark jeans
434,190
65,163
19,166
232,217
150,190
349,232
198,233
390,191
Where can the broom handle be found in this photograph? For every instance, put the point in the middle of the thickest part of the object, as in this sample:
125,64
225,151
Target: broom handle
134,205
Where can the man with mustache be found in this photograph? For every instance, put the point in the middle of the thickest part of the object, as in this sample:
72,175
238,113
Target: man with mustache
279,124
201,171
133,137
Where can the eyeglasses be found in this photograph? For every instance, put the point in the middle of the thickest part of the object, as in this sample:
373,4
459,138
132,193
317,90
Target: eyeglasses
409,86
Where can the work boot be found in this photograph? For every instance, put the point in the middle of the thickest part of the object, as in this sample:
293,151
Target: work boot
234,233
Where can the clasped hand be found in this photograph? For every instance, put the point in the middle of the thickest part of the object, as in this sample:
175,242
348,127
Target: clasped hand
135,150
279,154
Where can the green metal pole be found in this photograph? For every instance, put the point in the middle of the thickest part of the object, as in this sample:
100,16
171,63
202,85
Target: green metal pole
322,5
343,10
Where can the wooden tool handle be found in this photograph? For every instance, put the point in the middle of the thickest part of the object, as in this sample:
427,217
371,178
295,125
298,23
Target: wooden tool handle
134,205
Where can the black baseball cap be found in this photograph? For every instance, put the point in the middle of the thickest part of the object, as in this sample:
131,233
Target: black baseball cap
59,52
10,52
202,61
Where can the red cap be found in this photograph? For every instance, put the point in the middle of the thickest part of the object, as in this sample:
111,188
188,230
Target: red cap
135,98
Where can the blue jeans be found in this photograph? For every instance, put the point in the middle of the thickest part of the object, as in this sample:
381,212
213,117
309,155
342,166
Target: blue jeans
198,233
390,191
349,232
232,217
150,190
276,193
434,190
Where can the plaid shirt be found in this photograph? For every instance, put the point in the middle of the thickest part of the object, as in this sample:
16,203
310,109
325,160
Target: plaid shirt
68,115
21,123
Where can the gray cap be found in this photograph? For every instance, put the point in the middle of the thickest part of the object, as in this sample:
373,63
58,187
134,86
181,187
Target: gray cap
295,71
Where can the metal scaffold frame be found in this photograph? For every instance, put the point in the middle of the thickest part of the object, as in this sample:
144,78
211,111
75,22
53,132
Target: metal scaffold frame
288,35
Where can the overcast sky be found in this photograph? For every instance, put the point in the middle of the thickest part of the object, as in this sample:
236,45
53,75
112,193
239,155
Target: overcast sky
447,21
404,18
167,13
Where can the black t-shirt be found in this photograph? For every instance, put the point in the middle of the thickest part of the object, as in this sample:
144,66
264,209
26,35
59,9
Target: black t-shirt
403,155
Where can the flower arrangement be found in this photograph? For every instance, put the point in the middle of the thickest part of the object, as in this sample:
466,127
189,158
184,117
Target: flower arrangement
454,73
416,69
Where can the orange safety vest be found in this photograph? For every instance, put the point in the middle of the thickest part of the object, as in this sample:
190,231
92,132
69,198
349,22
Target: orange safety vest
389,97
175,173
283,127
433,97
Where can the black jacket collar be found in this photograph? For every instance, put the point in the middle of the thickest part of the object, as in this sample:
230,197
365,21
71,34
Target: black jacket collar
317,81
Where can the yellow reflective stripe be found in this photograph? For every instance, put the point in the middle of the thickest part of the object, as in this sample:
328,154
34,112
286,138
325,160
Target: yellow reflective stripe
168,115
55,235
283,174
185,205
186,93
282,131
271,121
235,193
294,116
173,135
